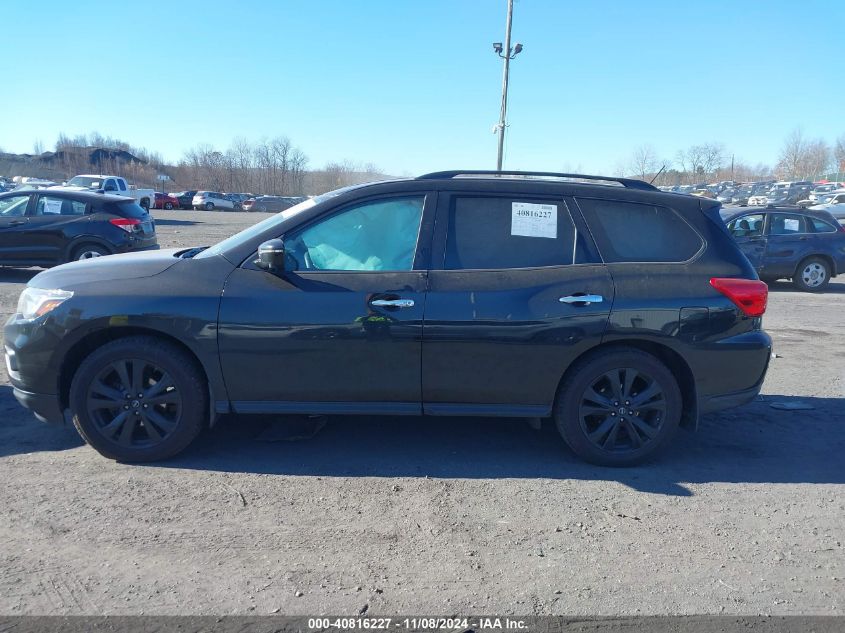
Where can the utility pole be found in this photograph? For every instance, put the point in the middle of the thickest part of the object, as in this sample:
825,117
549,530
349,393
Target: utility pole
508,55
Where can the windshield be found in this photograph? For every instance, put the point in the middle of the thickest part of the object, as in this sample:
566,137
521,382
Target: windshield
85,181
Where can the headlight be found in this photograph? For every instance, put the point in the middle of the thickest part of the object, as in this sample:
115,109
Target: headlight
36,302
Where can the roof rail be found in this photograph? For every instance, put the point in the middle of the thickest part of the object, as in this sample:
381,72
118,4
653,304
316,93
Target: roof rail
631,183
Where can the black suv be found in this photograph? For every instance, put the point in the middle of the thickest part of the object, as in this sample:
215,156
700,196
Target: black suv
617,310
53,226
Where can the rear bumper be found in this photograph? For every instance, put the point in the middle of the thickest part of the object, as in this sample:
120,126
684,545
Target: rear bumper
46,407
742,365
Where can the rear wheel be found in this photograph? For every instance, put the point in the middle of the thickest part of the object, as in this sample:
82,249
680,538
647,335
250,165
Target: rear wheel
812,275
618,407
209,206
88,251
138,399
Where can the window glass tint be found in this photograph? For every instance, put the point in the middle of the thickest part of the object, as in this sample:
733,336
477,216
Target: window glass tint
127,210
509,232
820,226
378,235
13,206
747,225
122,185
787,224
633,232
50,205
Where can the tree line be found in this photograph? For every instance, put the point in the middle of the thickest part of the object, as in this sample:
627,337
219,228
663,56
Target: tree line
801,158
273,166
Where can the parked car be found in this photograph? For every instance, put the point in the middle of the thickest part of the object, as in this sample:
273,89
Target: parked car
703,193
272,203
239,199
211,200
53,226
744,193
727,195
803,245
247,204
454,293
185,198
833,203
111,184
165,201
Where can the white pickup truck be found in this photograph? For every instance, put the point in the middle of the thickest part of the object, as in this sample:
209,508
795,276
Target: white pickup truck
111,184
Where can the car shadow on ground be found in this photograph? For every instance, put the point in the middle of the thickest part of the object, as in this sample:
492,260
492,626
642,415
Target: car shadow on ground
786,286
18,275
757,443
21,433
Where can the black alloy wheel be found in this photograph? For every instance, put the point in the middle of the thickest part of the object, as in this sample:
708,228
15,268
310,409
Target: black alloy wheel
618,407
138,399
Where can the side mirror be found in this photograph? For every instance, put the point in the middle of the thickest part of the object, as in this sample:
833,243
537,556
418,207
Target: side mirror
271,256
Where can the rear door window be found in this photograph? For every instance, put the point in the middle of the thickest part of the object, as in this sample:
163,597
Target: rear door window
634,232
51,205
787,224
501,232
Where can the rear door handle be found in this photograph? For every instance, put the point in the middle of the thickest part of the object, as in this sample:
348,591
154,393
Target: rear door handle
393,303
17,222
582,299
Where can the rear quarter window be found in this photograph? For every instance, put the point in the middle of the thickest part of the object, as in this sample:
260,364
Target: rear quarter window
636,232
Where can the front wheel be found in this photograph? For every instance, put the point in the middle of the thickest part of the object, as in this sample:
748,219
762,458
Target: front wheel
618,407
168,206
812,275
138,399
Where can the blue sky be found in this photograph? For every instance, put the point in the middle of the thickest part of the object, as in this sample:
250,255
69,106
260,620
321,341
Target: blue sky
414,86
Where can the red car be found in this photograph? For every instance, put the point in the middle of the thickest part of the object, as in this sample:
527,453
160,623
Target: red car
165,201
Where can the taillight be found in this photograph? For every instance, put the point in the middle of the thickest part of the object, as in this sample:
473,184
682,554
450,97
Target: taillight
749,295
127,224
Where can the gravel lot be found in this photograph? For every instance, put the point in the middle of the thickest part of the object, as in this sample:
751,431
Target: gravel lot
441,516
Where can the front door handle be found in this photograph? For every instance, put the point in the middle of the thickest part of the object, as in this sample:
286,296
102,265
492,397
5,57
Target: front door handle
393,303
17,222
582,299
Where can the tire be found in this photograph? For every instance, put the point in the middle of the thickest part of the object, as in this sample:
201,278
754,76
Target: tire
812,275
597,424
209,206
168,206
88,251
131,431
261,208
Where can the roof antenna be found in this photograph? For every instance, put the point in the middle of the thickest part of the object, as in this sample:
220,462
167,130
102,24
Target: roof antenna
651,182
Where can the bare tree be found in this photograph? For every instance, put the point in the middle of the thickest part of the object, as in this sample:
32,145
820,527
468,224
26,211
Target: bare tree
839,154
644,162
803,158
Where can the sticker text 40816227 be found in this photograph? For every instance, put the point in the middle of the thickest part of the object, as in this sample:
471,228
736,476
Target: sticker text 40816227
534,220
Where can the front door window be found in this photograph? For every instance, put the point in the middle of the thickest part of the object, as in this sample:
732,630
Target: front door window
380,235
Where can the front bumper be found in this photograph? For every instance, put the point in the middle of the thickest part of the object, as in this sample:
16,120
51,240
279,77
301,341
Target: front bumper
46,407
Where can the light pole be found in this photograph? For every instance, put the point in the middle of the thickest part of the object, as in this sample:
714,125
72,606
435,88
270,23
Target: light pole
507,54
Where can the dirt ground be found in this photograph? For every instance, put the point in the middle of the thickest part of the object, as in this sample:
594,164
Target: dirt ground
441,516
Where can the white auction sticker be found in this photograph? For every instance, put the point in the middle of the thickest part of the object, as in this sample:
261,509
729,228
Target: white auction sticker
52,206
534,220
